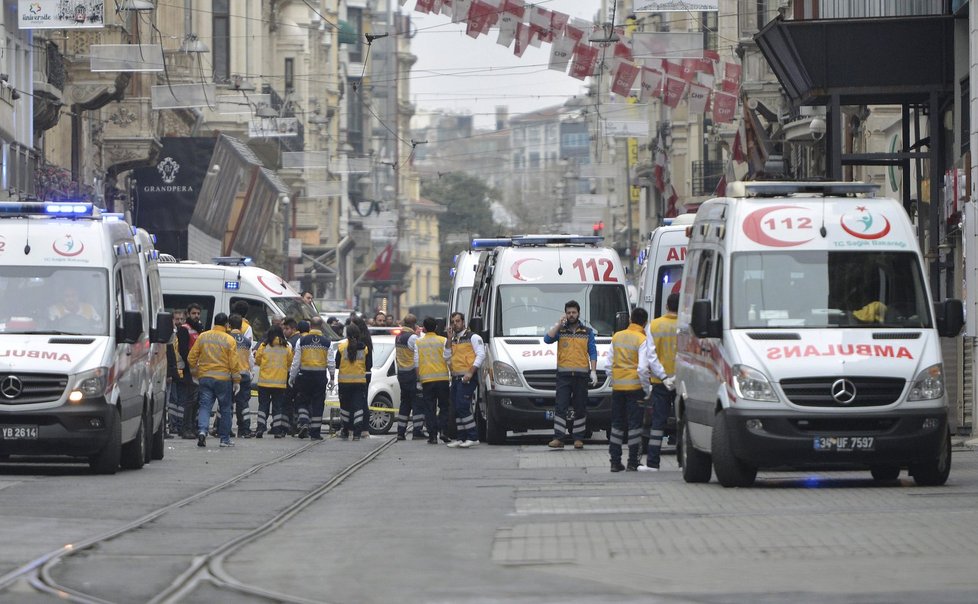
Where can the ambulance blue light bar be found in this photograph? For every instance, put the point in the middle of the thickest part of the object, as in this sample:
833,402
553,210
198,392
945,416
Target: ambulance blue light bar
485,244
536,240
232,285
46,208
772,188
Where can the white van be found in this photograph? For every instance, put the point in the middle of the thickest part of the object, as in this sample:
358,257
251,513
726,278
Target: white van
219,285
662,264
75,348
807,338
520,291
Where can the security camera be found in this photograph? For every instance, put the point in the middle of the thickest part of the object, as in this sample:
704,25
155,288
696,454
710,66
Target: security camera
817,128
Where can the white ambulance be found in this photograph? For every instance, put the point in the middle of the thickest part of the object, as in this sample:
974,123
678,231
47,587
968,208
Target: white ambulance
520,291
218,285
662,264
75,348
808,339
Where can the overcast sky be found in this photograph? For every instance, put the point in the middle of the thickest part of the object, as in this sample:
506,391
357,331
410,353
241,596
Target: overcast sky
464,75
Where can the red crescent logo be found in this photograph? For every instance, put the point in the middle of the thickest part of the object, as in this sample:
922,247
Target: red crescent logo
69,254
754,232
880,235
515,270
277,292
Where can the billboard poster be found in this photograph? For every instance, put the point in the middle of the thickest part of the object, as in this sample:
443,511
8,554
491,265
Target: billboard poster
60,14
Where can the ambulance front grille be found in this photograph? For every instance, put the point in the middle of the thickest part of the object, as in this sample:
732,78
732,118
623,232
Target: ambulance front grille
27,388
817,391
546,379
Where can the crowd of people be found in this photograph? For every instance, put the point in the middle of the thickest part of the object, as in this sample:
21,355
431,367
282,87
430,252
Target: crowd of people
296,363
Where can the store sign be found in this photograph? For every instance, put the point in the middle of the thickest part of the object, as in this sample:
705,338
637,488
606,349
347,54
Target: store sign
56,14
681,6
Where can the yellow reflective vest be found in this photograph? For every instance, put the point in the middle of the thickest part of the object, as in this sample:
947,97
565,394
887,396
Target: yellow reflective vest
432,366
664,335
624,369
352,372
215,355
274,362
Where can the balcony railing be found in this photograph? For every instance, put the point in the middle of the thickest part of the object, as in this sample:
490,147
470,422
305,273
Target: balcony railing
289,143
706,176
862,9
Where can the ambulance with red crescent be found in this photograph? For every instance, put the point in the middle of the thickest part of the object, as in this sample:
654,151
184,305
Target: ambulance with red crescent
80,369
662,263
219,284
808,338
520,288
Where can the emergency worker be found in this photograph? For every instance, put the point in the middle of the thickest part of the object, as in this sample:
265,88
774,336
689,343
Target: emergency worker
348,369
577,356
290,328
662,337
308,376
213,360
465,353
274,359
187,388
629,363
406,357
433,373
175,366
241,307
242,400
72,308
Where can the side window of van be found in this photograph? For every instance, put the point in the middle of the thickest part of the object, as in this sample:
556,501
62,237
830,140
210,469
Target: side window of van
179,301
717,297
704,276
259,316
129,289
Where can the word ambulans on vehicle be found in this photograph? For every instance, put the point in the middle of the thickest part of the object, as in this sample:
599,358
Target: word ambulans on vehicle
807,338
520,289
662,264
82,363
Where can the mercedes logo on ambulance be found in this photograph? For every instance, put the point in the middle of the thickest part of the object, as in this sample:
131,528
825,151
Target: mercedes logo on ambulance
11,386
843,391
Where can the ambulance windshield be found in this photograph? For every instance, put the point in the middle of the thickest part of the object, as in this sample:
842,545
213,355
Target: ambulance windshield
815,289
530,310
53,300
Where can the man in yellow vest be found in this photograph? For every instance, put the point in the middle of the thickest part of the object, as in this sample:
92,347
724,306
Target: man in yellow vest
214,362
577,360
631,358
433,373
406,358
662,335
465,353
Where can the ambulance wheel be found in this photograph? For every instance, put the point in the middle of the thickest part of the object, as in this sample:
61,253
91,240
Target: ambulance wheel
697,466
380,422
934,473
158,447
148,435
495,430
731,472
106,461
134,452
885,473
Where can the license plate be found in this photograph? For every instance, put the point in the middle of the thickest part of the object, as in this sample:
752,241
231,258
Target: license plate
844,443
18,432
548,414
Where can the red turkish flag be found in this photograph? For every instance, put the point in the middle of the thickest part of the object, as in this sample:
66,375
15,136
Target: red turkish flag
585,58
624,78
724,107
739,155
380,270
672,91
672,204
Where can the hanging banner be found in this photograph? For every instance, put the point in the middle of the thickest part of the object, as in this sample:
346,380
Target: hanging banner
676,6
635,193
669,45
56,14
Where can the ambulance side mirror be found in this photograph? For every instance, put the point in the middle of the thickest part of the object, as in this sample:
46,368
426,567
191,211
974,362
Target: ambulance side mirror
131,328
621,320
950,318
702,324
163,331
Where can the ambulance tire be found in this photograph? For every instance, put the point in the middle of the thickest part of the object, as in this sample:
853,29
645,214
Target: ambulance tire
495,430
158,447
106,461
134,452
885,473
934,473
730,471
697,465
148,435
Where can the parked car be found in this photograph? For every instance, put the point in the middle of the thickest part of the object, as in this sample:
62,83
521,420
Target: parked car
383,392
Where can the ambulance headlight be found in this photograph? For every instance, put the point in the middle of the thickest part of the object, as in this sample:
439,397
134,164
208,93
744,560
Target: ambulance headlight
928,385
504,374
752,385
90,384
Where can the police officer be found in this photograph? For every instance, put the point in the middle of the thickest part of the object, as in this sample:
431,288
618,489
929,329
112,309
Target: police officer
630,358
577,355
465,353
433,373
214,362
351,361
406,357
242,400
662,333
308,376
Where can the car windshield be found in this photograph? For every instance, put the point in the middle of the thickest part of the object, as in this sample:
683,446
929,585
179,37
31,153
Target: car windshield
530,310
54,300
669,282
296,307
813,289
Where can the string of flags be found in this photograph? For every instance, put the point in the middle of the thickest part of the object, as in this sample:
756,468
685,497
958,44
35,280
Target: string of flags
647,65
